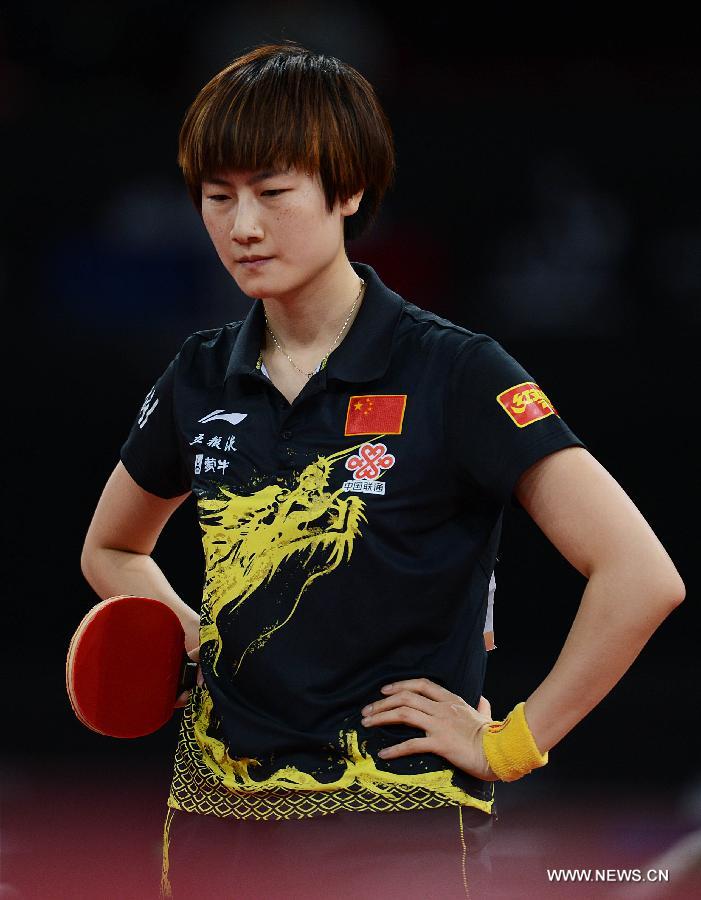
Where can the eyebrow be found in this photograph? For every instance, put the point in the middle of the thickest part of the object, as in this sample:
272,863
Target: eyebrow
254,179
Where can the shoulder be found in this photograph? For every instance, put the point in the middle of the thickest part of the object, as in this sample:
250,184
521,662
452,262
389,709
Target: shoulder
471,362
210,341
206,353
430,331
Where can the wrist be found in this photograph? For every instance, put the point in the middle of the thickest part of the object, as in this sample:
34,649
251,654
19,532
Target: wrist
509,746
489,773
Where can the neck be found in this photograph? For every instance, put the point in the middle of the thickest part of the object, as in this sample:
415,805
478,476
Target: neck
308,321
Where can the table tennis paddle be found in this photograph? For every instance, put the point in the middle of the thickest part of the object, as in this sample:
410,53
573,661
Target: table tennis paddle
127,665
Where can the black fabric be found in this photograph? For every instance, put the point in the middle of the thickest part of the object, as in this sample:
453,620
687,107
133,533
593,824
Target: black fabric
316,596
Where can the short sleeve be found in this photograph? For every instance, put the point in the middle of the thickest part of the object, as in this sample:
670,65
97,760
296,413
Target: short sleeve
499,421
152,452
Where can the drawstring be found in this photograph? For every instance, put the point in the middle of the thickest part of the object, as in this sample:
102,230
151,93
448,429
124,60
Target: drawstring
464,853
166,890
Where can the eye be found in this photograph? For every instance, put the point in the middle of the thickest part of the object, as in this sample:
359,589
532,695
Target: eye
217,197
275,192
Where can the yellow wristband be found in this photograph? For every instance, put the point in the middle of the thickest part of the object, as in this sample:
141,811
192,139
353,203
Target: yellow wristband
509,746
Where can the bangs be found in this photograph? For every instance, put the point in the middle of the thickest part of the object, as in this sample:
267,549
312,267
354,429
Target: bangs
247,126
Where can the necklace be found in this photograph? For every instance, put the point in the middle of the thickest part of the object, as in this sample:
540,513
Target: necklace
308,375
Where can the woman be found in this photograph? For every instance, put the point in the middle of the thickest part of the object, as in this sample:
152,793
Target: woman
351,455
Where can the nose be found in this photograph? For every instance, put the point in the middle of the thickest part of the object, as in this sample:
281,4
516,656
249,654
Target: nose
245,226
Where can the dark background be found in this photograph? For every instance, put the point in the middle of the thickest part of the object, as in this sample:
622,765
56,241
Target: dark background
547,193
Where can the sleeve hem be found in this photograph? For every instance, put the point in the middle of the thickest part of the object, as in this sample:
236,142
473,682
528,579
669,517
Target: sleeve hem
535,453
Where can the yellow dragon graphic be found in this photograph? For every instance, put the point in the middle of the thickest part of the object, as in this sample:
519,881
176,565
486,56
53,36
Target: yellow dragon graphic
247,538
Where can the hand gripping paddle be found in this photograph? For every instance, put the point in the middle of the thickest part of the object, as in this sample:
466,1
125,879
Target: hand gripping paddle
126,666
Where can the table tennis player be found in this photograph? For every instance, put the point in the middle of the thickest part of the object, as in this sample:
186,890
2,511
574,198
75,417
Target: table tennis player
351,456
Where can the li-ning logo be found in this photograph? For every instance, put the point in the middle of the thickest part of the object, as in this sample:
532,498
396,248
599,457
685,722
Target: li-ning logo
146,410
231,418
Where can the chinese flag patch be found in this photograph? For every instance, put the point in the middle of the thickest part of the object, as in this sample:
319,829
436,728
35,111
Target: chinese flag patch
375,414
525,404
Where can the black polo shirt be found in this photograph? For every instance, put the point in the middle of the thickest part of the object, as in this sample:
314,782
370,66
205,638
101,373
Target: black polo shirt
349,539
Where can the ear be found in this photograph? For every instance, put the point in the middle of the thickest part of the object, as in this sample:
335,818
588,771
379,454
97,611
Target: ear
350,206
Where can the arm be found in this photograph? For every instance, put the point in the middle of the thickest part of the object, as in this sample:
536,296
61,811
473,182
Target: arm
632,585
123,532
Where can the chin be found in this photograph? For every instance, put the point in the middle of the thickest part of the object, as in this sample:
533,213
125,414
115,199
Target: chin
249,283
241,284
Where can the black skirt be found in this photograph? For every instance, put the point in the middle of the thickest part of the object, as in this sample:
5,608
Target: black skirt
416,855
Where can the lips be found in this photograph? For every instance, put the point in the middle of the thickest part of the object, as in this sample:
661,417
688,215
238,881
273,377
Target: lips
255,265
252,259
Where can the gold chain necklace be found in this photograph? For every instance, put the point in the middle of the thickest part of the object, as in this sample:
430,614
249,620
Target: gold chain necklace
308,375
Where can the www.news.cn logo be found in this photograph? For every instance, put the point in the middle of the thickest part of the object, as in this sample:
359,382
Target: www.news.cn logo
608,875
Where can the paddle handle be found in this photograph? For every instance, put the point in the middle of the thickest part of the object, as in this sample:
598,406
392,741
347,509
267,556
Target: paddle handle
188,675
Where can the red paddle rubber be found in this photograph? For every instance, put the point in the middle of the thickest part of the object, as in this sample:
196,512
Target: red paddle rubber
126,666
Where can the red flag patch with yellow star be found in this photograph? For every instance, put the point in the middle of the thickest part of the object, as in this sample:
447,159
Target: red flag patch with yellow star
376,414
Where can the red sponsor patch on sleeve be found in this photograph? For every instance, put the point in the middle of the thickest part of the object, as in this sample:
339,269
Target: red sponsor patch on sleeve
525,404
375,414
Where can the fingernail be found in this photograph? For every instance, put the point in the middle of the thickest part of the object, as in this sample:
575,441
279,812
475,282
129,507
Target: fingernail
386,687
382,753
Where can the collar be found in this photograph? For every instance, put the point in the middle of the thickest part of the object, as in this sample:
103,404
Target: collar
363,354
